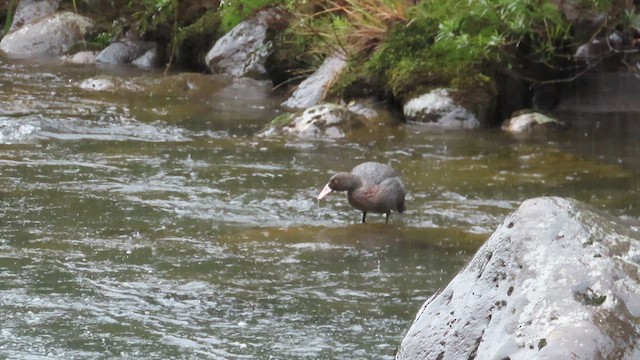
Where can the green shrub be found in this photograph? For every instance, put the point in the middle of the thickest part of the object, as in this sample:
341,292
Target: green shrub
459,42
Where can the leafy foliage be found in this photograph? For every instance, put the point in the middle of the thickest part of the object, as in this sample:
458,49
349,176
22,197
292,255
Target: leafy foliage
234,11
149,14
404,48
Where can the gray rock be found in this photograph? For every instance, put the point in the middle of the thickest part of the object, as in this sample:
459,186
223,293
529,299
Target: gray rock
321,121
124,52
29,10
526,122
243,51
597,49
312,90
438,108
48,36
363,109
555,281
149,59
576,12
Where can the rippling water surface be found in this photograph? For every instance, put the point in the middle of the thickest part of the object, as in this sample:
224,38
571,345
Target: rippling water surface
153,224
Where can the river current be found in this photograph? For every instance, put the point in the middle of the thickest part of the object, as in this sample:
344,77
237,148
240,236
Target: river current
155,224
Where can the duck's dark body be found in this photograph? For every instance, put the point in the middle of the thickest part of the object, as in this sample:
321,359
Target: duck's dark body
371,187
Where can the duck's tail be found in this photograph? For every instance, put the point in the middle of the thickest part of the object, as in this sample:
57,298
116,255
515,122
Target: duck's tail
401,207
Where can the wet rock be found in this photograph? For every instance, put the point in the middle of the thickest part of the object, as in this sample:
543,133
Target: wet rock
438,107
363,109
243,51
312,90
555,281
194,85
149,59
29,10
82,57
529,121
320,121
111,84
48,36
597,49
128,51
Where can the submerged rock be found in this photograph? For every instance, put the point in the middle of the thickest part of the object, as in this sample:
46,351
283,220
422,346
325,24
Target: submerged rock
197,86
82,57
320,121
312,90
438,107
529,121
243,51
48,36
111,84
555,281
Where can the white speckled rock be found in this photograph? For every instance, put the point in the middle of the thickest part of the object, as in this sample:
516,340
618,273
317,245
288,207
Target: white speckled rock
555,281
321,121
526,122
438,108
82,57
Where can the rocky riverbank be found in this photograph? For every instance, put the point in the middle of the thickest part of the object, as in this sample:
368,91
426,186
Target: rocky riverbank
552,267
401,62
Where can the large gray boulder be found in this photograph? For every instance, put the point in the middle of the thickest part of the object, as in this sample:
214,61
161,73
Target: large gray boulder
243,51
555,281
311,91
29,10
48,36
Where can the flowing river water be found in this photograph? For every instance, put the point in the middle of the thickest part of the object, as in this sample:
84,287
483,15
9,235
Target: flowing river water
154,224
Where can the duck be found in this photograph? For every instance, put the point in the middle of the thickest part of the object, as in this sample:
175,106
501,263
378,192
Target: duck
371,187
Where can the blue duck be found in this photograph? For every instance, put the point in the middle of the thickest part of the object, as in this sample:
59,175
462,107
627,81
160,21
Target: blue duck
371,187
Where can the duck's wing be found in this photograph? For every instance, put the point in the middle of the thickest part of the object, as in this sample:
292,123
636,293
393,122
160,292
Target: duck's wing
394,193
373,172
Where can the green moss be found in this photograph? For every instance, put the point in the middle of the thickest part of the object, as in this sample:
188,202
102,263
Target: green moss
233,12
590,298
408,63
291,54
542,343
281,120
194,40
454,43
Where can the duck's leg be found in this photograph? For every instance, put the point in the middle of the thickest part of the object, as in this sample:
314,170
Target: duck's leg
386,221
364,216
